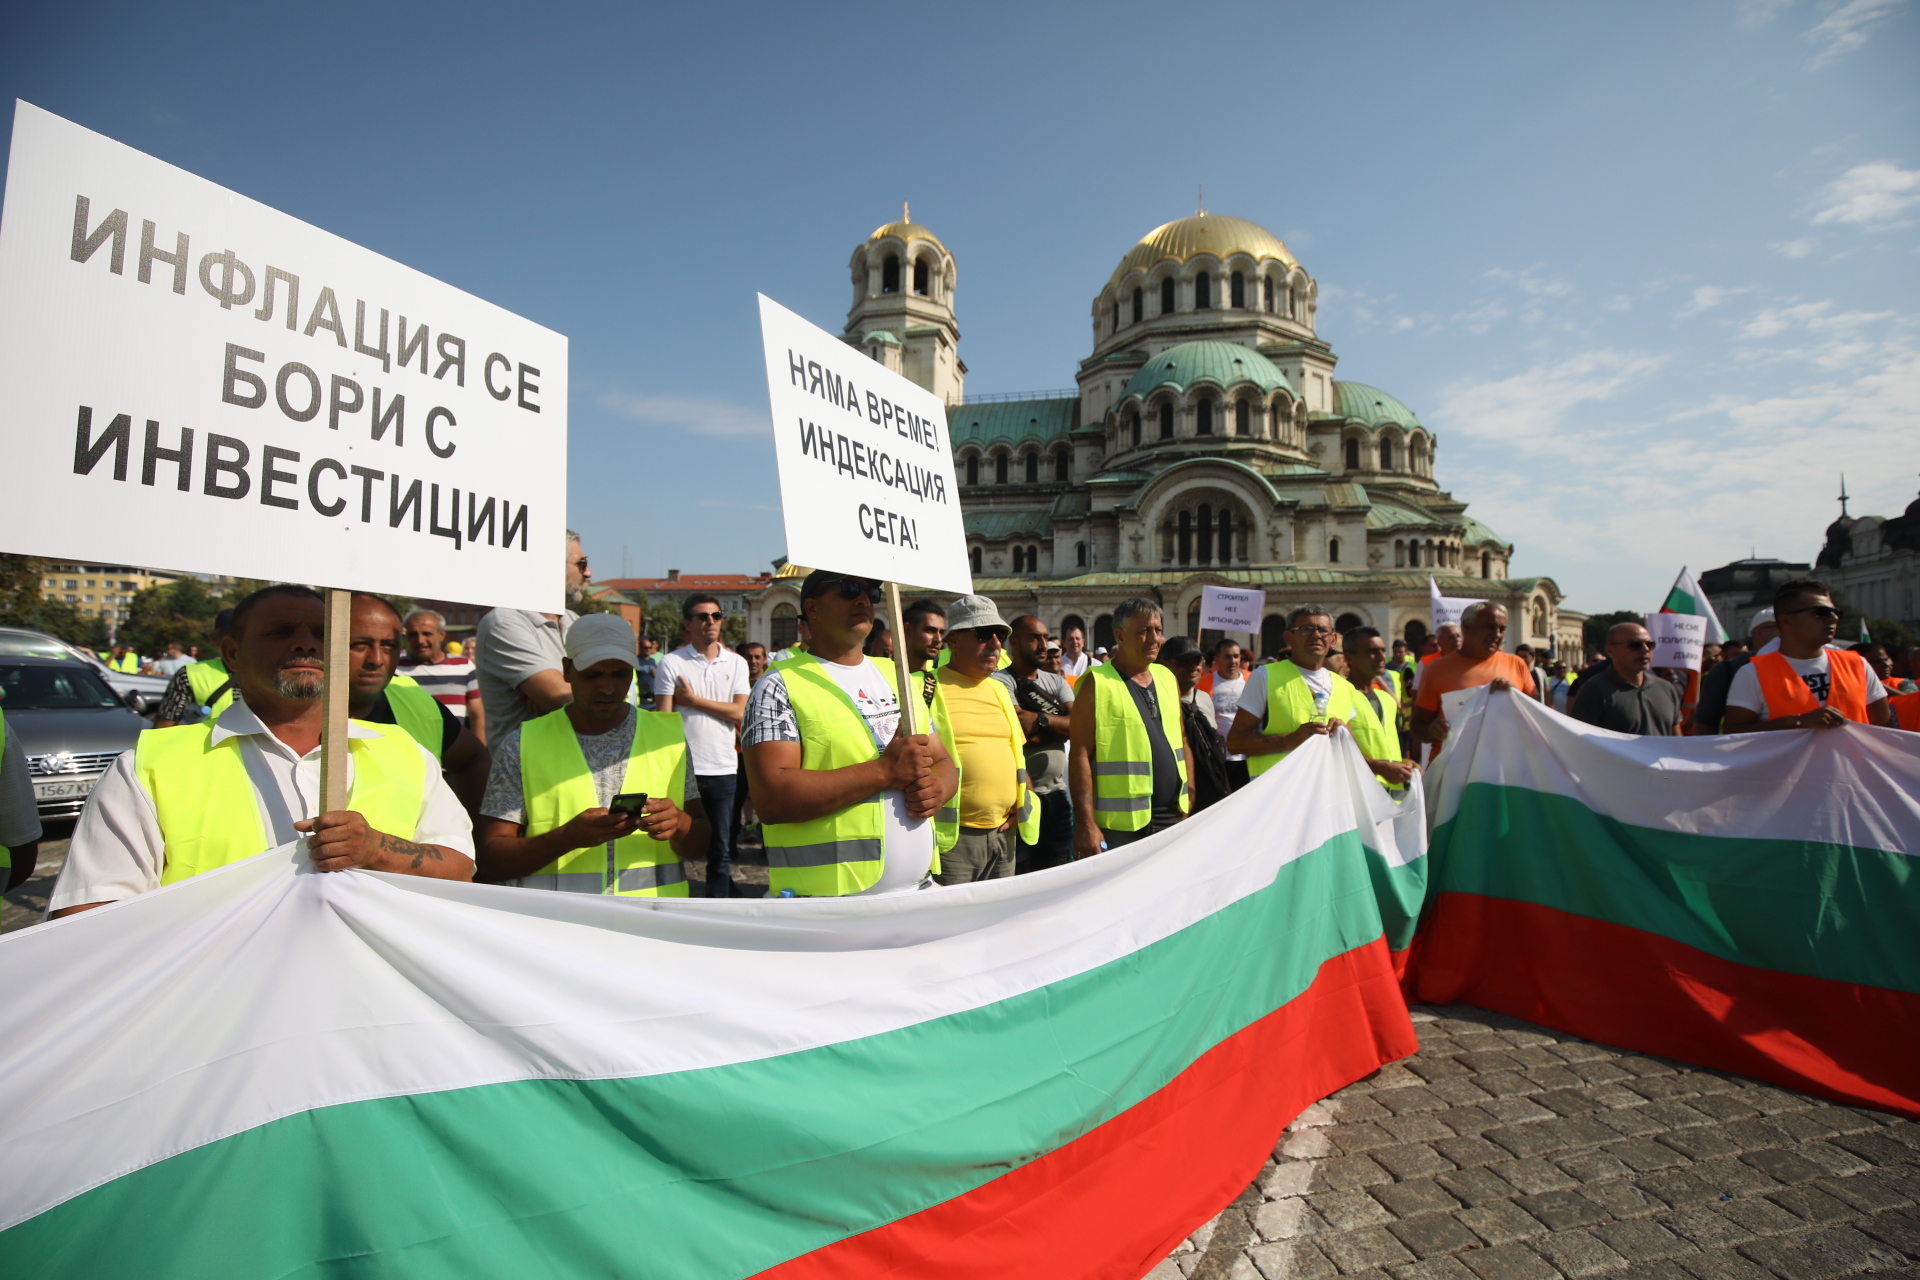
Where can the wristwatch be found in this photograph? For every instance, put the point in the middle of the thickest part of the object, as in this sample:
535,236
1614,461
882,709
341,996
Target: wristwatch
1044,724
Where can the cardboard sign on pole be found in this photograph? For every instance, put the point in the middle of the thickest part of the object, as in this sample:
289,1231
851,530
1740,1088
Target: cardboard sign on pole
1232,608
197,381
1446,608
1678,639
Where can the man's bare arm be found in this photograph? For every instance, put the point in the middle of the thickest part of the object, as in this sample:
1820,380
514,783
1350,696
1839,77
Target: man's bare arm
546,691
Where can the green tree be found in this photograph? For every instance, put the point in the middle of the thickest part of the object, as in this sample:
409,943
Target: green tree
1883,630
23,605
733,632
182,610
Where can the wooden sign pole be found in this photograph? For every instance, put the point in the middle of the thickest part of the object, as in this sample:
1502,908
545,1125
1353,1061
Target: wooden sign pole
901,674
333,698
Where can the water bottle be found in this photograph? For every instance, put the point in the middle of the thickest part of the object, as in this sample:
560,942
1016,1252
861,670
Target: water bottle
786,893
1319,706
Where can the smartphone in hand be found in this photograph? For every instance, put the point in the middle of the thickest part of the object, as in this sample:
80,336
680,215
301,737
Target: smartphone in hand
630,803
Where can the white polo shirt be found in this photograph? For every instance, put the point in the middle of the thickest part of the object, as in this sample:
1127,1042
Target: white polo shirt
724,678
117,850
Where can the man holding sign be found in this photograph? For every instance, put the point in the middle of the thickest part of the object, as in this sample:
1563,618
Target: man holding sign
196,797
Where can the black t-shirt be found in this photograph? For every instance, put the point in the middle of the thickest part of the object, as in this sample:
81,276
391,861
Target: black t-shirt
1166,770
382,713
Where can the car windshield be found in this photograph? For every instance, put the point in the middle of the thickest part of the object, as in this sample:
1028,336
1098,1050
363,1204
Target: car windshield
34,687
21,644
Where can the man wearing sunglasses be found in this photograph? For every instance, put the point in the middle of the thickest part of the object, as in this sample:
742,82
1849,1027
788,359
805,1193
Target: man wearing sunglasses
845,791
1623,697
707,683
1804,684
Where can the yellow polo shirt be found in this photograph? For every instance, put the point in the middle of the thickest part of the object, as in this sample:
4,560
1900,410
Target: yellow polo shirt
989,784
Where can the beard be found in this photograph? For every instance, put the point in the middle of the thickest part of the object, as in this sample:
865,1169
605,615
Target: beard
303,686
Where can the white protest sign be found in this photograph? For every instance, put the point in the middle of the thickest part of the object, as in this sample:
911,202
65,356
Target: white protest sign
1677,639
196,381
866,472
1446,608
1232,608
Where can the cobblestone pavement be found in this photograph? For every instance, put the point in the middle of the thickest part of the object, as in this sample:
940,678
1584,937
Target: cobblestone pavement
1505,1151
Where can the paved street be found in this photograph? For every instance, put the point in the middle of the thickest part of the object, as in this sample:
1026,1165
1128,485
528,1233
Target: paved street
1504,1151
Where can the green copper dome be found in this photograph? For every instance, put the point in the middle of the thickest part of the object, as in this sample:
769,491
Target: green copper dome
1361,403
1224,364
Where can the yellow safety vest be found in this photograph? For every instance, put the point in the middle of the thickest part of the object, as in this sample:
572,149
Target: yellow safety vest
946,821
1378,740
1122,753
126,665
843,852
415,711
209,816
559,787
1290,705
205,679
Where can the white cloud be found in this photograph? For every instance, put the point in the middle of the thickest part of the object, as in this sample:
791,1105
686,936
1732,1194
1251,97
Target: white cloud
1845,27
1528,410
1707,297
1795,248
1758,13
1814,317
687,413
1871,195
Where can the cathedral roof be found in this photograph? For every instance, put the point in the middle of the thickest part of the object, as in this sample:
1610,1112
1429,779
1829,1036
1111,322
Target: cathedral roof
1012,421
908,231
1224,364
1008,524
1362,403
1212,234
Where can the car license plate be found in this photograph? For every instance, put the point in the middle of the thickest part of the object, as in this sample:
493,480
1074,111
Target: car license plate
58,790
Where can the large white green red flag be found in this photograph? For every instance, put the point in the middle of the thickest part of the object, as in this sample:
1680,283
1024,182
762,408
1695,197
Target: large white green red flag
267,1072
1687,597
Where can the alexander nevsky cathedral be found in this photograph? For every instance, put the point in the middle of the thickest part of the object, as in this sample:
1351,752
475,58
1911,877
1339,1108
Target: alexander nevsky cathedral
1208,442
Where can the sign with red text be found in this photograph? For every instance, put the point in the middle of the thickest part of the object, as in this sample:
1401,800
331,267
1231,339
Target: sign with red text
866,470
199,382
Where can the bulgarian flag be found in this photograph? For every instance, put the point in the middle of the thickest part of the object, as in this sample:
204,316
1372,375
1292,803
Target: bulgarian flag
1687,597
1747,903
268,1072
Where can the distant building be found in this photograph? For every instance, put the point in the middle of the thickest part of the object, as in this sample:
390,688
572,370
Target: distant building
1739,590
1875,561
103,591
736,593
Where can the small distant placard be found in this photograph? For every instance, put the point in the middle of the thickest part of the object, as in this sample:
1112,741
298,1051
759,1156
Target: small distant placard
1678,639
1232,608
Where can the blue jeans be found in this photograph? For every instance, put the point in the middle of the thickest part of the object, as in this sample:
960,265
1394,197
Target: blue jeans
719,792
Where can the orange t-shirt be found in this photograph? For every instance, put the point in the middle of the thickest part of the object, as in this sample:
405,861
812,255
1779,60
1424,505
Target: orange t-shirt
1451,671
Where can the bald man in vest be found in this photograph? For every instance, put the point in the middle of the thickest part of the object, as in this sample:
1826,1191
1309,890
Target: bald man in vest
197,797
1804,684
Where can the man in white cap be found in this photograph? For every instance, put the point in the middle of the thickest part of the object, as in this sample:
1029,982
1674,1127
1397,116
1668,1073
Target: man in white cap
983,733
583,799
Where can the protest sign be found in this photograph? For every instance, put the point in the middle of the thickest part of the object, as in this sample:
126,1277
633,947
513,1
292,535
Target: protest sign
1232,608
1677,639
200,382
866,470
1446,608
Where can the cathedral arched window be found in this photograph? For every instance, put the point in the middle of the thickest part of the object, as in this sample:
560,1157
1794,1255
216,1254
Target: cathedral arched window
1399,554
1486,565
1226,536
1133,424
1019,558
1139,306
1033,468
1206,533
1353,454
1166,296
786,626
1202,291
1386,454
1062,466
973,558
1266,289
1242,418
1184,541
1080,554
1193,620
920,276
1237,292
973,468
1333,551
1116,315
890,274
1203,418
1166,419
1000,468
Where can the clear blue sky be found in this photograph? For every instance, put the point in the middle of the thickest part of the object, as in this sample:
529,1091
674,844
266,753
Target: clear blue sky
1649,270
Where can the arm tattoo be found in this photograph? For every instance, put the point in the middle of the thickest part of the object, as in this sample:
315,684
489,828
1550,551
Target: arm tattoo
392,844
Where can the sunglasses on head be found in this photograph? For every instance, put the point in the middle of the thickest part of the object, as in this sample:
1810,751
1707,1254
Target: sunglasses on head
1824,612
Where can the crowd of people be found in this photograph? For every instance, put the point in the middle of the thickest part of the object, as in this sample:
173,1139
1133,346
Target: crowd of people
562,752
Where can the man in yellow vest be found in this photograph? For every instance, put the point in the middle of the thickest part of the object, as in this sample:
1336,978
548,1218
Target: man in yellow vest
19,813
845,791
1287,703
554,818
378,696
977,829
123,660
204,683
197,797
1128,767
1376,724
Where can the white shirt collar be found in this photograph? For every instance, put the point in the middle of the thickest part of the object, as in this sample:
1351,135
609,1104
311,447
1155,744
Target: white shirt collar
239,721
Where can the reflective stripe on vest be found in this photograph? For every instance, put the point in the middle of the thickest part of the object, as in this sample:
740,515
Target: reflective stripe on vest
1122,753
843,852
946,821
1376,739
415,711
1788,695
205,679
1290,705
558,787
1906,713
209,815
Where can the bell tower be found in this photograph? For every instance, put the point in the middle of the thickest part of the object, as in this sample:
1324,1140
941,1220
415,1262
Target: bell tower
902,315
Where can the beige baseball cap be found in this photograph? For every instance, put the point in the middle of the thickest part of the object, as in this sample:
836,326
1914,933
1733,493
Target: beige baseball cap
598,636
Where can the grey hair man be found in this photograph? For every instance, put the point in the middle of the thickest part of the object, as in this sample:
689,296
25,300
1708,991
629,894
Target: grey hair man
452,682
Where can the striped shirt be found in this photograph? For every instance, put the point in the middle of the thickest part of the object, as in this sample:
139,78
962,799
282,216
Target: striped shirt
450,681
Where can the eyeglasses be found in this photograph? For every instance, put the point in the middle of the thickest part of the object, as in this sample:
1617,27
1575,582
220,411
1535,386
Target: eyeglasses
581,564
1824,612
701,615
1314,631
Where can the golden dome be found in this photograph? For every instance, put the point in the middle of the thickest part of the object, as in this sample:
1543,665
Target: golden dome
908,231
1207,233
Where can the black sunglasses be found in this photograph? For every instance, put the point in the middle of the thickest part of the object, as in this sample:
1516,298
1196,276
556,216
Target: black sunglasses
1824,612
1635,645
701,615
854,588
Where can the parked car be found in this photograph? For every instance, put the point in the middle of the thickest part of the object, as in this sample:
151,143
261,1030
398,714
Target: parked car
146,690
70,724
